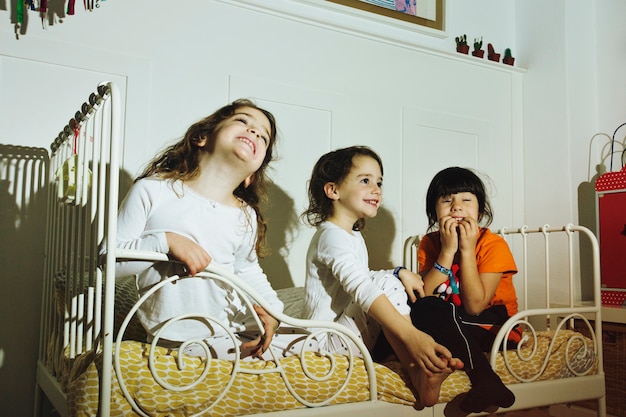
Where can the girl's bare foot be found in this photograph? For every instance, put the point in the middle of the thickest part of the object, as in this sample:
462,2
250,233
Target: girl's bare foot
428,387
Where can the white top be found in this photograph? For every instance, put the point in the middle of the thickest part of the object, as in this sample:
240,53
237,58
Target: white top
338,273
154,206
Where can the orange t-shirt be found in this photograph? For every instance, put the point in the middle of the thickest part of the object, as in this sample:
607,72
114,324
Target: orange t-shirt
492,255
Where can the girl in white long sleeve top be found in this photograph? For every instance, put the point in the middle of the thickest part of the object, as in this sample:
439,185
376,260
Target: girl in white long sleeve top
345,188
198,202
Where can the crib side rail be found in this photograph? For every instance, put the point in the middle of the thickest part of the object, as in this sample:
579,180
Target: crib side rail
550,268
549,285
82,197
556,315
541,258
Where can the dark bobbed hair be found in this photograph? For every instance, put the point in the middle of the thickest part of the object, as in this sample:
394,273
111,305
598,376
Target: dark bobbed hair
332,167
455,180
180,161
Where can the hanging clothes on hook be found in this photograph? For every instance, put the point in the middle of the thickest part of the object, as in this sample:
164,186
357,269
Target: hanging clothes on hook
71,7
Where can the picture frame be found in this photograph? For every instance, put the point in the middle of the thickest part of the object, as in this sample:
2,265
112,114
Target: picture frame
428,13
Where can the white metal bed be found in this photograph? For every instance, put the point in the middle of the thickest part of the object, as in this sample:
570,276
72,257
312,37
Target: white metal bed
91,360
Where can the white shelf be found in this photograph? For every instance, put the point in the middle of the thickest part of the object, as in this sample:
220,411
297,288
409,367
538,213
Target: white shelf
614,315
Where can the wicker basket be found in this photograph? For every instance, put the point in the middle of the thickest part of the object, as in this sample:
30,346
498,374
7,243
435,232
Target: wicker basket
614,351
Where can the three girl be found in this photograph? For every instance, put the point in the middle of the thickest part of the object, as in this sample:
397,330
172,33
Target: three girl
198,202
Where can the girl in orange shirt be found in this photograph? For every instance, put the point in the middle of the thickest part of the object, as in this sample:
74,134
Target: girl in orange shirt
469,271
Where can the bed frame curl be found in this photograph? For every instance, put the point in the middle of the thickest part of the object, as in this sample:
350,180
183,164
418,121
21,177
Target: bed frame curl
552,312
311,328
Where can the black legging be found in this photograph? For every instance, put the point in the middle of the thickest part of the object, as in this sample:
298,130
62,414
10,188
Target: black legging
442,320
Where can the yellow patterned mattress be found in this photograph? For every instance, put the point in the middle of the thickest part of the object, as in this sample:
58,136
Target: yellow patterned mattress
266,392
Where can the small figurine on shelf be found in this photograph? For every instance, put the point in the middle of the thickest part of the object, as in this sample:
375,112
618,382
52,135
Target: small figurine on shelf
478,45
491,54
508,58
461,44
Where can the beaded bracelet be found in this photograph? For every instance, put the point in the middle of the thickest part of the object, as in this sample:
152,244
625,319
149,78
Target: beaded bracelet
396,272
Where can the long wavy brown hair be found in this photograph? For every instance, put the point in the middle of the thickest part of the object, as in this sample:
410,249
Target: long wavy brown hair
180,162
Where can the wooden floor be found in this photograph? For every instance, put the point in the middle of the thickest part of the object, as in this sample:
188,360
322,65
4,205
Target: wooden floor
535,412
553,411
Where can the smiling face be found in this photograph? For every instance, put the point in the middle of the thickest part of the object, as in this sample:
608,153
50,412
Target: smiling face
247,134
458,206
359,194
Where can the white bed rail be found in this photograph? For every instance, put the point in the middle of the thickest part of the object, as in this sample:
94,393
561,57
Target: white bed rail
557,313
542,303
249,295
82,201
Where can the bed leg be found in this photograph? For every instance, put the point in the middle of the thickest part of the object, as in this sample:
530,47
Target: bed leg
43,407
602,407
38,408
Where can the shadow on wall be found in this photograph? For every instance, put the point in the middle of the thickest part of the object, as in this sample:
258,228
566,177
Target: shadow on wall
379,234
126,182
23,178
282,228
587,215
23,207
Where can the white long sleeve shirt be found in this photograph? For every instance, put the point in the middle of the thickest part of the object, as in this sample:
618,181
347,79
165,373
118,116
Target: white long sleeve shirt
155,206
337,274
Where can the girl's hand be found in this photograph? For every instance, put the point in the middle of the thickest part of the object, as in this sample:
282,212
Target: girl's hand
185,250
429,355
413,284
468,234
259,345
449,234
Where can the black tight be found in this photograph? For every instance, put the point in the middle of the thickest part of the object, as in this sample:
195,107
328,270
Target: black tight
442,320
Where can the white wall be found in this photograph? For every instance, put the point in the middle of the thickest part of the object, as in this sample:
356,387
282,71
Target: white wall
331,88
361,90
573,101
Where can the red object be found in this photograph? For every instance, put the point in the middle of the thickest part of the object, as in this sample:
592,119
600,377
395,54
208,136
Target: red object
509,60
479,53
464,49
612,181
611,228
491,53
613,298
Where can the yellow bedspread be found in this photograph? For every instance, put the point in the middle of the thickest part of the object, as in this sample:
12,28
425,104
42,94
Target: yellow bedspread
266,392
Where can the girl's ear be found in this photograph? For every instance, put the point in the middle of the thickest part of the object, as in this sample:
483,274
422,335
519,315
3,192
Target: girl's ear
248,180
202,141
330,189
